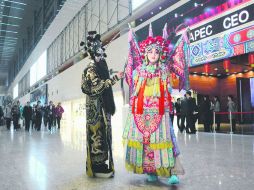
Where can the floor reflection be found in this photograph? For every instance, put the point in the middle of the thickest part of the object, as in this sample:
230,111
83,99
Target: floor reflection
38,171
46,160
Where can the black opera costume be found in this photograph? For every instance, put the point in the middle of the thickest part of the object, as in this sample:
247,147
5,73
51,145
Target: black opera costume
100,106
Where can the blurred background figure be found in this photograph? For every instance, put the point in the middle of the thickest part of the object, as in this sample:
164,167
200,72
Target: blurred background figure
51,114
27,114
59,111
216,108
232,108
38,116
205,113
15,112
45,115
8,115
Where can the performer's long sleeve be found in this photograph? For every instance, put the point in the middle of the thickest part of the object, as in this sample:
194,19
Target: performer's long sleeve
92,85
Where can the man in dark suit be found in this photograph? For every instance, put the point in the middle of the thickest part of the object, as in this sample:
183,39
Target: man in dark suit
27,114
190,116
38,116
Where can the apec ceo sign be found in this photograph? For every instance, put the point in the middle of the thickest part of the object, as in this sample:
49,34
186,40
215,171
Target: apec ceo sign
234,19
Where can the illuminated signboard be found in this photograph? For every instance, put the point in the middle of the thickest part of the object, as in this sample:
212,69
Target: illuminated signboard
227,36
224,23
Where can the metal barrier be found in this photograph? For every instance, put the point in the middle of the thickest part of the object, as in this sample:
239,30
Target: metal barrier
230,118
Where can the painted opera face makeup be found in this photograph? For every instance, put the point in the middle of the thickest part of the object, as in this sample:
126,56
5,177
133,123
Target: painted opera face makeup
153,55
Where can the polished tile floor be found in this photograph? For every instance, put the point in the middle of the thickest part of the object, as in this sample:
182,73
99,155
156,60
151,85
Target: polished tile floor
56,160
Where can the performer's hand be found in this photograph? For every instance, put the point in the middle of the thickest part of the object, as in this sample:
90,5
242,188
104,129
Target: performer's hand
108,83
120,74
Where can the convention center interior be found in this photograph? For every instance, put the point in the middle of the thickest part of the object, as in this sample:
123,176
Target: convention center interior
126,94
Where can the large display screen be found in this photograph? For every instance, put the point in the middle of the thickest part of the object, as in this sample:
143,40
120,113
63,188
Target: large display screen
40,94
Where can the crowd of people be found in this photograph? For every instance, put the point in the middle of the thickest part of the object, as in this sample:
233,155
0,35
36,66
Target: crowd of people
188,112
31,116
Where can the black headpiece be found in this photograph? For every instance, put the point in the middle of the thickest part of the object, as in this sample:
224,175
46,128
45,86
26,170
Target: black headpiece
93,46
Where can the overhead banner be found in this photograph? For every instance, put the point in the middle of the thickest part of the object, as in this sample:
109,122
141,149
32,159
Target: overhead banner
222,24
227,36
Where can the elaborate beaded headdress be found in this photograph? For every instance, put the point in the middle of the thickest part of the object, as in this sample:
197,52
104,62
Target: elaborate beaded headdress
93,46
160,43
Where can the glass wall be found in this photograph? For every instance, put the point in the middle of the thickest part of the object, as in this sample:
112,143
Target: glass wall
38,69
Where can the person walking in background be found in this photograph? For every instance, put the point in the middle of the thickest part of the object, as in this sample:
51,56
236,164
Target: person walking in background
178,112
45,115
190,117
232,108
204,113
216,108
8,115
50,114
33,116
20,121
27,114
38,116
59,111
15,111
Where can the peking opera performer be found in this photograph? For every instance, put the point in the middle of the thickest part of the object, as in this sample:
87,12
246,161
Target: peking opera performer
97,85
151,146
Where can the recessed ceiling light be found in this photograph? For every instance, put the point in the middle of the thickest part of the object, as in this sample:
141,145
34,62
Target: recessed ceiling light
12,7
219,75
9,31
152,13
141,19
2,23
11,16
194,72
216,69
246,70
15,2
176,15
211,74
160,8
203,73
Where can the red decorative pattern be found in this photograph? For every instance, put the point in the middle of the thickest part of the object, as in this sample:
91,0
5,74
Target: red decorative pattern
239,49
149,164
243,35
147,123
